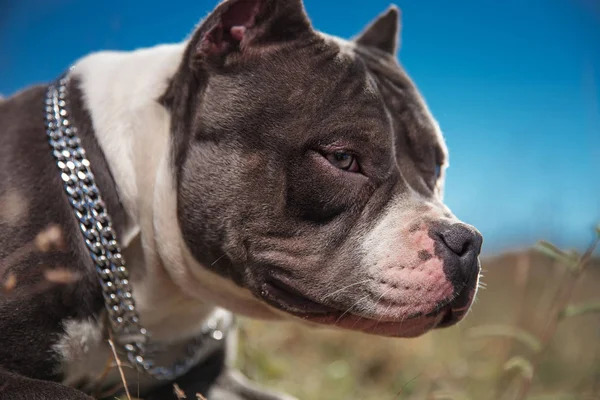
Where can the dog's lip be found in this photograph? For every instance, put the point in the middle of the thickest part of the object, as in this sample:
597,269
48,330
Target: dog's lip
448,319
282,295
293,301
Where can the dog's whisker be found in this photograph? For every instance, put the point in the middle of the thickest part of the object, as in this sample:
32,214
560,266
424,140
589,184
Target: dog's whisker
345,288
381,297
350,308
382,314
217,260
373,308
357,321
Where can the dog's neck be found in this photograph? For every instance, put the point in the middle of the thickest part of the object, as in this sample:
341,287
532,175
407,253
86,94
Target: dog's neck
120,90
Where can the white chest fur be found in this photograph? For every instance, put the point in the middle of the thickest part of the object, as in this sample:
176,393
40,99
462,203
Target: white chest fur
88,362
120,91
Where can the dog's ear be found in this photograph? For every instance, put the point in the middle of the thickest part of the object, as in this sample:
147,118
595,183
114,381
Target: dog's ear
383,32
238,25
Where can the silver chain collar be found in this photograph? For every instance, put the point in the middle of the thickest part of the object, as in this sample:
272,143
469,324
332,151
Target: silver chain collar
131,338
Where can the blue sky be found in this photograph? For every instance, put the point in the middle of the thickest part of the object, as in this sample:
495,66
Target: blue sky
515,86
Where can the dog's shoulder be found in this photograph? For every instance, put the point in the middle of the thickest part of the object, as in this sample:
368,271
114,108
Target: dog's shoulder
47,276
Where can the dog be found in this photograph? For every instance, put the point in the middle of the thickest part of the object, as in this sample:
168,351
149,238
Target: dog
258,168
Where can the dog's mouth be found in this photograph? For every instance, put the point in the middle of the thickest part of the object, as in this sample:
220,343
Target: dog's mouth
286,298
293,301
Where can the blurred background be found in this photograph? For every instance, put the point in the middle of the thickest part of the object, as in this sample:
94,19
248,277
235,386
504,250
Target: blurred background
515,86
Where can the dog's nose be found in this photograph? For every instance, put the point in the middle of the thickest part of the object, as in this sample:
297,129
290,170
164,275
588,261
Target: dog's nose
464,240
460,245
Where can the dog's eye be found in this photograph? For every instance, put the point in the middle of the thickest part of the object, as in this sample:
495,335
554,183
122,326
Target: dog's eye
343,160
438,171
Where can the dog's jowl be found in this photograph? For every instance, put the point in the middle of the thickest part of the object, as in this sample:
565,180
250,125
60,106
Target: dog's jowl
259,167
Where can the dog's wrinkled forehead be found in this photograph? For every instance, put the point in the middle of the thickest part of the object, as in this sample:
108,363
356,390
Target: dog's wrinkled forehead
321,81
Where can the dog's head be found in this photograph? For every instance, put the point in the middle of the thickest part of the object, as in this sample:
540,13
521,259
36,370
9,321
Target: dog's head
310,173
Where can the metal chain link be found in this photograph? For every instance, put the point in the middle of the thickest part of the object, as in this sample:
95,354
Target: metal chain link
95,224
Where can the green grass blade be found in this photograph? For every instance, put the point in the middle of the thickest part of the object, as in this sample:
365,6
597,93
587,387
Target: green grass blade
581,309
521,364
506,331
547,248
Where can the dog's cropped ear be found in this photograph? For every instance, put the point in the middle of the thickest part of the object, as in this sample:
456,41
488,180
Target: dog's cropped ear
383,32
237,25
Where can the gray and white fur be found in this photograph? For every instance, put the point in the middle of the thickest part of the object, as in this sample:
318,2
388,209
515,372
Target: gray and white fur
259,166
